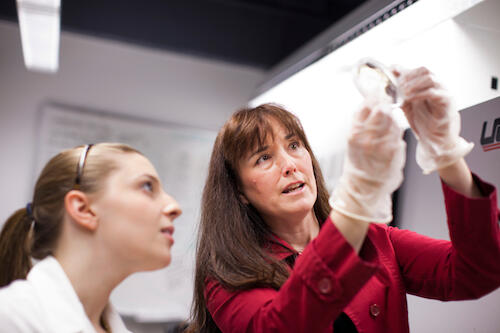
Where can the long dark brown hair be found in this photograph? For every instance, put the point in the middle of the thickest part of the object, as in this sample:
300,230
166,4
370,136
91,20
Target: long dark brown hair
232,234
26,234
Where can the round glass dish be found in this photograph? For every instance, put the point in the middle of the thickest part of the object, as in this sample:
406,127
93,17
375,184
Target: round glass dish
376,82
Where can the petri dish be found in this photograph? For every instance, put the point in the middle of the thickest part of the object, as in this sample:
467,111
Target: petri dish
376,82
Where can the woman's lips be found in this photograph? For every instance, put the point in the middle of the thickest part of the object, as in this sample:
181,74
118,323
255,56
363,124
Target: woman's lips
294,187
168,232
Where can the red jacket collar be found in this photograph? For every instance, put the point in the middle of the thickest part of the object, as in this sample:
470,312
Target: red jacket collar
279,248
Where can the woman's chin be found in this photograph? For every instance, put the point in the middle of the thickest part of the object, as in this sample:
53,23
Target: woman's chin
166,261
301,208
295,213
159,263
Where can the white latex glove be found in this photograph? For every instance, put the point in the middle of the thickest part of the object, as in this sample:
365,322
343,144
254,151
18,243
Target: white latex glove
373,167
433,119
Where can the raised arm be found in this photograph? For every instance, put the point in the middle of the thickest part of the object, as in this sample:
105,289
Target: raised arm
469,265
466,267
458,177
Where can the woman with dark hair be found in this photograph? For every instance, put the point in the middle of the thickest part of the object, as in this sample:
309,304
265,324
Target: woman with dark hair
98,214
273,256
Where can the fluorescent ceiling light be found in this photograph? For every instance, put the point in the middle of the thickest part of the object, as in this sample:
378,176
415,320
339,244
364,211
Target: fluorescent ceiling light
39,21
408,33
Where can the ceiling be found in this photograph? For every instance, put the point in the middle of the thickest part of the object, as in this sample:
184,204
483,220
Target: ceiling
257,33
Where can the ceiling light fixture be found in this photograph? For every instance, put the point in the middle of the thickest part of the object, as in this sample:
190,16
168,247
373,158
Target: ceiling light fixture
39,22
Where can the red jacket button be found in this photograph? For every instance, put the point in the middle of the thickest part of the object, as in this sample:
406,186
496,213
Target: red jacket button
324,285
374,310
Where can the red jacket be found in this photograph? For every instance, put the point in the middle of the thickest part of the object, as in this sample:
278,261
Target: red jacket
329,278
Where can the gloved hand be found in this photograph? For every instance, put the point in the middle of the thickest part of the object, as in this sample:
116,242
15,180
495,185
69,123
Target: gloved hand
433,119
373,167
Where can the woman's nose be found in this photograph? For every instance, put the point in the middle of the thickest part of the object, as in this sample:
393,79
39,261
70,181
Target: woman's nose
172,209
288,166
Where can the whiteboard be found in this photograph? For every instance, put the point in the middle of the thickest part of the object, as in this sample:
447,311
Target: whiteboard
181,156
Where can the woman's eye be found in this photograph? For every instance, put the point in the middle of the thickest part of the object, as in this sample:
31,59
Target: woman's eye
148,186
263,158
294,145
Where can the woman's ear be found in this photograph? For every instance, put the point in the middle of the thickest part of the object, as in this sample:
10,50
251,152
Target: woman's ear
77,206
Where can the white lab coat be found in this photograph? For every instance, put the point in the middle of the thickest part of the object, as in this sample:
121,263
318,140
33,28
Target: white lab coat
47,303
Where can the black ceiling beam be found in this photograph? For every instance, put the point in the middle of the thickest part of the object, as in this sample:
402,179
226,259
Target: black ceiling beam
256,33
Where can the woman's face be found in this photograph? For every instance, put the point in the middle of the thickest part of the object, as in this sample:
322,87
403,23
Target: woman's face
278,179
135,216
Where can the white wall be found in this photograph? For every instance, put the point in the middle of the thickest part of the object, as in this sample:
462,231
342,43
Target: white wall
109,76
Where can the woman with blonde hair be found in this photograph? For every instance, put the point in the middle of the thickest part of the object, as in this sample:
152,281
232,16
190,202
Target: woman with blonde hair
98,214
